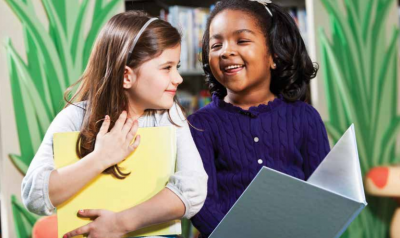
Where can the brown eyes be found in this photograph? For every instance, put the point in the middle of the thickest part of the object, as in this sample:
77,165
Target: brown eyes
215,46
240,42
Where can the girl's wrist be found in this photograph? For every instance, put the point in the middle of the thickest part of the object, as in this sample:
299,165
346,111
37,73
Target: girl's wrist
125,221
97,161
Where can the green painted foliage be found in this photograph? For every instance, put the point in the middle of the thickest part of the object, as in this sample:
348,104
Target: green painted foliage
55,59
23,220
359,66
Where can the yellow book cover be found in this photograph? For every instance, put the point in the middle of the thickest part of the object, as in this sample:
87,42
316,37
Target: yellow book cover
151,165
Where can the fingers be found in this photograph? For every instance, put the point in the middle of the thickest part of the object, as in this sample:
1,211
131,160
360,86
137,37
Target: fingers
132,132
80,231
120,122
135,144
90,212
127,127
104,127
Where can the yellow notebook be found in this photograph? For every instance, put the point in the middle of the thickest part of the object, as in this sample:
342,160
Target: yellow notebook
150,165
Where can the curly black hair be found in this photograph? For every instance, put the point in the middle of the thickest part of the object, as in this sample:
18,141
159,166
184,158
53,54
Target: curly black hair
294,68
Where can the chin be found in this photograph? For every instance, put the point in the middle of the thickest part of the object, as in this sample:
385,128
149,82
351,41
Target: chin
166,105
236,88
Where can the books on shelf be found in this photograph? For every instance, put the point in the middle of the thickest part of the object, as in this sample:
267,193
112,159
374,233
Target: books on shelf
191,22
300,17
192,103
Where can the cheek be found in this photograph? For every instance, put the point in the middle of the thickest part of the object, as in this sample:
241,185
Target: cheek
214,65
159,83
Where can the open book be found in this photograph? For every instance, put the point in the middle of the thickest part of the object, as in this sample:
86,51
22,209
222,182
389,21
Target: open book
151,165
280,206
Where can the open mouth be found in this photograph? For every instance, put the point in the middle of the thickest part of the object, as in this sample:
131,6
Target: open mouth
232,69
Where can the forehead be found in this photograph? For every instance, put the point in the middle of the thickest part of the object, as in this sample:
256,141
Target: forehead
229,21
169,54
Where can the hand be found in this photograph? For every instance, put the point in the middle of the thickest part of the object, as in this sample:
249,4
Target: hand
105,225
115,146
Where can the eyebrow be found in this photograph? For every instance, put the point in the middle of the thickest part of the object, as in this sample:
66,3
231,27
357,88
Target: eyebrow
237,32
169,62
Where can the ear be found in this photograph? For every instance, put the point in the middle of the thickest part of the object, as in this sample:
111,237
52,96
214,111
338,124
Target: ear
129,77
271,62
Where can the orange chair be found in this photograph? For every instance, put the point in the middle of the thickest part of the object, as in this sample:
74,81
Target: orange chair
384,181
45,227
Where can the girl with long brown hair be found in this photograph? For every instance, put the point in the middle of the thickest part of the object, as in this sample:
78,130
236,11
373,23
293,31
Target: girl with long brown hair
130,82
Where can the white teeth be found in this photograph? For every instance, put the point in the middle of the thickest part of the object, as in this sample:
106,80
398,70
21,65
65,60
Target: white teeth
233,67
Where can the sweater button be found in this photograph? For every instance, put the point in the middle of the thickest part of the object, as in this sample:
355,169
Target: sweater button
260,161
256,139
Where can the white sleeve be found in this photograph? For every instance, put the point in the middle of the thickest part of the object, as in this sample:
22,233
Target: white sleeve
35,185
189,182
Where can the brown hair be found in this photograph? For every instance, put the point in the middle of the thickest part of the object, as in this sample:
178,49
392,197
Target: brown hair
101,84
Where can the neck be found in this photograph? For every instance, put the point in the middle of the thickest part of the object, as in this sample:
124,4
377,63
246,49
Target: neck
249,99
134,110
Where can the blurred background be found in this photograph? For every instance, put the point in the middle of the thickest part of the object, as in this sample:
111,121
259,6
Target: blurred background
45,45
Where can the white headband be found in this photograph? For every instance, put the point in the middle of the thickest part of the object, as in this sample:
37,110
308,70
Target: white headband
140,33
264,2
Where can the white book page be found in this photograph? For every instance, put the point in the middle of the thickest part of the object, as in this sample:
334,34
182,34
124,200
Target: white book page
340,171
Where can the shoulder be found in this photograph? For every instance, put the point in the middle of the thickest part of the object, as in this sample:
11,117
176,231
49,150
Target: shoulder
75,109
205,113
205,120
71,116
304,109
310,112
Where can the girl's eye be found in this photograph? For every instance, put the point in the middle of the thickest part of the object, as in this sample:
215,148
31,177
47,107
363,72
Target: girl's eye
168,67
243,41
179,65
215,46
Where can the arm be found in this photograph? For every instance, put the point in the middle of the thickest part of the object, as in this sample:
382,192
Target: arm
210,215
35,184
315,141
163,207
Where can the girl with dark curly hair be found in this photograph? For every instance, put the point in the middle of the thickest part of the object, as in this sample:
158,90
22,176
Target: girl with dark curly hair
258,70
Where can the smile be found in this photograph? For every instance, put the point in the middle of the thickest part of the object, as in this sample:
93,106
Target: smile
233,69
173,92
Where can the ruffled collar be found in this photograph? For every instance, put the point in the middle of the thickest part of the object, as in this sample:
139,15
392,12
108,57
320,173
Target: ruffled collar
252,111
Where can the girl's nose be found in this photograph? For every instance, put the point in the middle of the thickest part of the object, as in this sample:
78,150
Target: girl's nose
177,79
228,53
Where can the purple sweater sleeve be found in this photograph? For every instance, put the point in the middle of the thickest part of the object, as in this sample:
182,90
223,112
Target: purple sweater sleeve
315,141
210,215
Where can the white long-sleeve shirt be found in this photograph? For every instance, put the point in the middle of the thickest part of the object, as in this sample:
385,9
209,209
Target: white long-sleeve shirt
189,182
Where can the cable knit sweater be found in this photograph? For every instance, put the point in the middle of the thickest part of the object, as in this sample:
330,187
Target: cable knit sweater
235,143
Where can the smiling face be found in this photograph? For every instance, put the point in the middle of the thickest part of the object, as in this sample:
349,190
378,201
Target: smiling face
153,85
238,53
